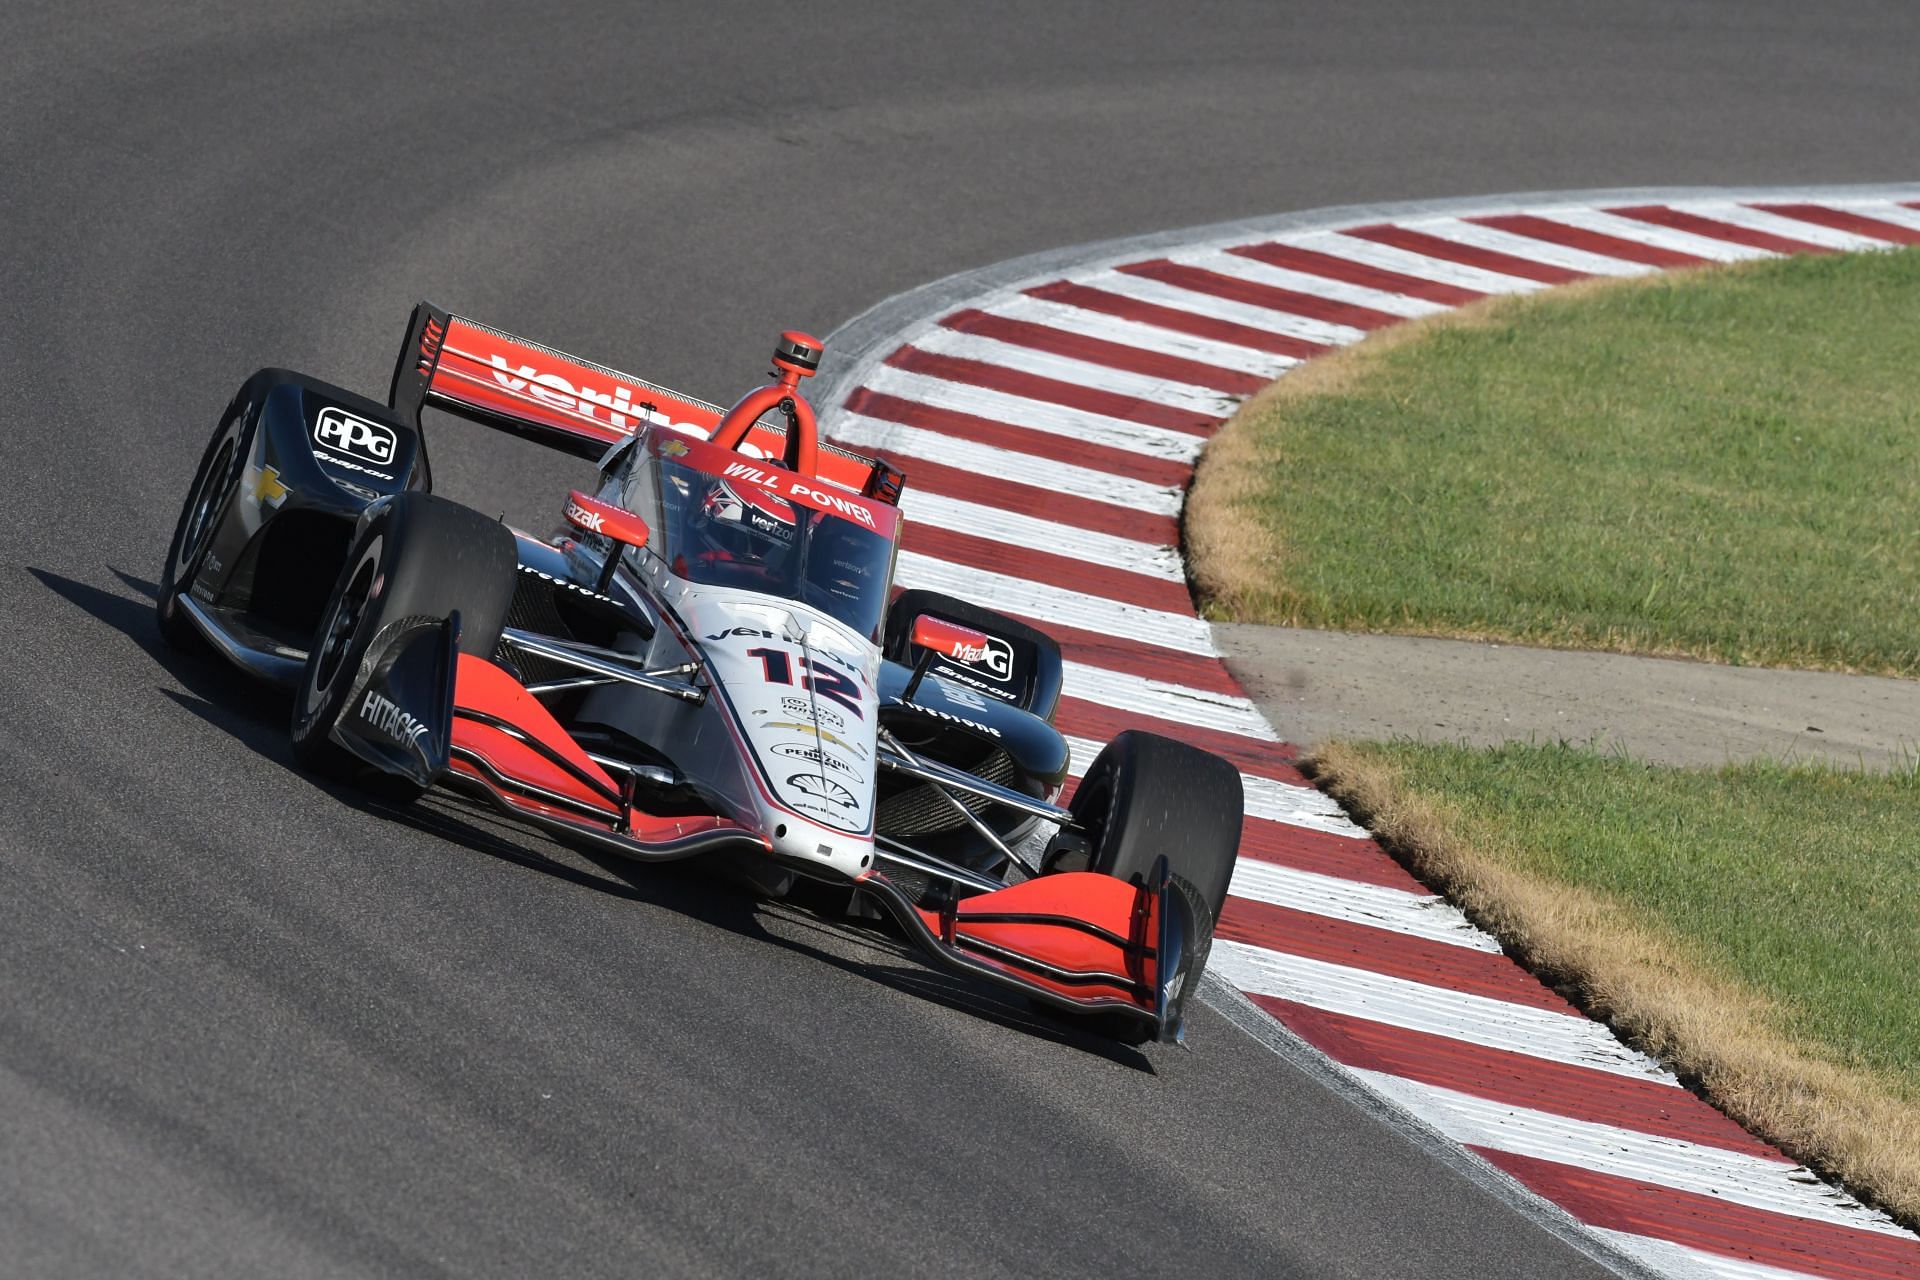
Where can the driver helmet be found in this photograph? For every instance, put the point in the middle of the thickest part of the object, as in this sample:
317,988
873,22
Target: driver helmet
746,524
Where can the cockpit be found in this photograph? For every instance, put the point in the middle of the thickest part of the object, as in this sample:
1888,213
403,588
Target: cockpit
757,529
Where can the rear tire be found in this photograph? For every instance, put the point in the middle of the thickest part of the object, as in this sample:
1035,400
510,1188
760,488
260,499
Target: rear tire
413,556
214,483
1145,797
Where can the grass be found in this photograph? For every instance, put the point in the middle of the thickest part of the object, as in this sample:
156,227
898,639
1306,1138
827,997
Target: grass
1756,926
1722,464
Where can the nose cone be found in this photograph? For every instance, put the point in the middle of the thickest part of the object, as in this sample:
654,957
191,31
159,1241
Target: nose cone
805,714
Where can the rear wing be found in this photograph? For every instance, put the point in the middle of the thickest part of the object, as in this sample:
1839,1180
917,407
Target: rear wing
489,376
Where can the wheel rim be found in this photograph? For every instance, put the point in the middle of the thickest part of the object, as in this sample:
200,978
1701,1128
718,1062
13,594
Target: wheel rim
207,502
336,634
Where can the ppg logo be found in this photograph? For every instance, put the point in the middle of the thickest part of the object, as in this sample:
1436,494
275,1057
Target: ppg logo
355,437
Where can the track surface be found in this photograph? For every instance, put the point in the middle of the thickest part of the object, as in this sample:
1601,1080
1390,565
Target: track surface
250,1029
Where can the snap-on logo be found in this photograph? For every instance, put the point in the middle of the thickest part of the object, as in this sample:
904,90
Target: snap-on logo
355,437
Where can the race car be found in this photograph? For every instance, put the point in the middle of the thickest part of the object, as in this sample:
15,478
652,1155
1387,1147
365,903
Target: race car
708,661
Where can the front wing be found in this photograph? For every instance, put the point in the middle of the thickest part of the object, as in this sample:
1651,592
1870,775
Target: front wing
1075,941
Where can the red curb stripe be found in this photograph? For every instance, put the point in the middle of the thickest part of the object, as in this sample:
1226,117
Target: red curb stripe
1515,1079
1200,326
1712,228
1071,395
1355,858
1712,1224
1234,289
1114,355
1397,955
1466,254
1012,495
1068,572
1252,755
1844,220
1360,273
1536,228
1050,445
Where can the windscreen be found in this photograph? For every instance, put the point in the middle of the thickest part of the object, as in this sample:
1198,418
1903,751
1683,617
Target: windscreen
727,533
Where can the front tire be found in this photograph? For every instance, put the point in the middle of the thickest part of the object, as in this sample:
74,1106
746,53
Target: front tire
414,557
214,483
1146,797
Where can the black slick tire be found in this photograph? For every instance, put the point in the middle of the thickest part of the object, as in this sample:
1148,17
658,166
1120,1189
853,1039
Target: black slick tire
1145,797
412,556
214,482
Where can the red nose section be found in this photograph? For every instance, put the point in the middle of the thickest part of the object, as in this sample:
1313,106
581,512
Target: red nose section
594,516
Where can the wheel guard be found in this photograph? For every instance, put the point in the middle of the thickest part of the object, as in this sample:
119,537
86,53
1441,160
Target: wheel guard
399,715
1076,940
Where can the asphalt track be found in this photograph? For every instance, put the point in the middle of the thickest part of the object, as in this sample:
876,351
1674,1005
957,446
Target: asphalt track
250,1029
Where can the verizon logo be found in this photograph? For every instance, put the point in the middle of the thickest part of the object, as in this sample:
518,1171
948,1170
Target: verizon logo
615,408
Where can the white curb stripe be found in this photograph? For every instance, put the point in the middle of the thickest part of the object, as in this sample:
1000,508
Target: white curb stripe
1417,915
1476,236
1175,395
923,506
1077,425
1407,263
1140,335
1239,267
1165,700
1899,215
1775,1186
1415,1006
1282,324
861,432
1624,228
1682,1263
1773,224
1056,604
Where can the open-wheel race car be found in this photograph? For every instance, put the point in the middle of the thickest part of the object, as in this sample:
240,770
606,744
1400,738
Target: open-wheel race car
709,661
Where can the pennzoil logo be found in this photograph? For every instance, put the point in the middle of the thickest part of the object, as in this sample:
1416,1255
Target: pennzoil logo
815,756
356,437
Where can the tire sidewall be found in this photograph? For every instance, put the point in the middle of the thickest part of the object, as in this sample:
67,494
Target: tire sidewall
322,695
215,480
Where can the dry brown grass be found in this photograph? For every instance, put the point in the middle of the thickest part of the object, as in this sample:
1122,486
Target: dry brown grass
1721,1038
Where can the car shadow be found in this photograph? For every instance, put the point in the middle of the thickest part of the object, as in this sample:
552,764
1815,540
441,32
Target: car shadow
257,715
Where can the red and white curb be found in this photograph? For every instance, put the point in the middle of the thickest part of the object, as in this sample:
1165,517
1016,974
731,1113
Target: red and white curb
1048,414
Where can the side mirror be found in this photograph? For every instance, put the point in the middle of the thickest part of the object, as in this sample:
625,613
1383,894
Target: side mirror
950,639
938,638
590,515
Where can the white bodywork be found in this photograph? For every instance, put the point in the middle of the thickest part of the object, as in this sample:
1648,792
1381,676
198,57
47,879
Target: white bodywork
800,691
